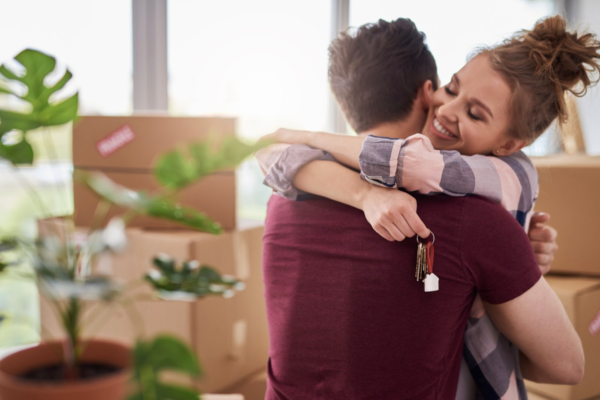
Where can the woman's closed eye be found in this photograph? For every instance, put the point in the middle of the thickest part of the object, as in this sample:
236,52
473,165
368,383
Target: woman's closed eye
450,92
473,116
469,113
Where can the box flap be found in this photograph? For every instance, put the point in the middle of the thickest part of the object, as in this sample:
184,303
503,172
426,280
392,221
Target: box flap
574,286
566,160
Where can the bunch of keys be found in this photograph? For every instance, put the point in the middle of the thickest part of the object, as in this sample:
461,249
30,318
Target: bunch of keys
424,271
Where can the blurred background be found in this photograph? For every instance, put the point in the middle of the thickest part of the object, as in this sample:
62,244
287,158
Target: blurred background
263,62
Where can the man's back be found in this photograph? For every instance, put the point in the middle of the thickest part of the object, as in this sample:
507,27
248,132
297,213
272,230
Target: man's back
347,318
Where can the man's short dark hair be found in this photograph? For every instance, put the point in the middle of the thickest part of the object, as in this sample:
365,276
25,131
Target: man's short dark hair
376,72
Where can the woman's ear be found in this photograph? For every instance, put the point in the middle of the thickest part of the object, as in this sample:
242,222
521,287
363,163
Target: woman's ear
509,147
426,95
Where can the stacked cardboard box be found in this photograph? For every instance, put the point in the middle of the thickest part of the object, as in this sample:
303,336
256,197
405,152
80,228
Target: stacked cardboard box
229,336
570,193
125,149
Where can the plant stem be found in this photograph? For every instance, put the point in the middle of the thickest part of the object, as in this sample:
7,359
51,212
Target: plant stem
49,144
100,213
36,198
71,324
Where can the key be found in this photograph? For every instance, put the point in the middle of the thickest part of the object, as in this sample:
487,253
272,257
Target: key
419,259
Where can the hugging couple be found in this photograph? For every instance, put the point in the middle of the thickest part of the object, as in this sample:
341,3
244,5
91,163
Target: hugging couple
347,318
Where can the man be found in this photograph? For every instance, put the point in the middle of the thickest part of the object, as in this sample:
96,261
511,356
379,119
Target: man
346,320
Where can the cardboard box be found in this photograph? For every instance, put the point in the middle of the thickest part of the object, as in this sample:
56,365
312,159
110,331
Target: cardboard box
125,149
570,193
230,336
581,299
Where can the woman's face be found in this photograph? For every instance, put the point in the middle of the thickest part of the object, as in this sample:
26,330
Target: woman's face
471,113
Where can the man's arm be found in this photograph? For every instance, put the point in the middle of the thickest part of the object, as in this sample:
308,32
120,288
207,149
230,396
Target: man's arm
536,322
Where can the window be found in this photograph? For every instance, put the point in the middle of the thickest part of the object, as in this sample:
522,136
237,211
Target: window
94,40
263,61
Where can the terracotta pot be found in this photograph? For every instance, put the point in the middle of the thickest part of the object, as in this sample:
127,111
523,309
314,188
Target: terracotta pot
110,387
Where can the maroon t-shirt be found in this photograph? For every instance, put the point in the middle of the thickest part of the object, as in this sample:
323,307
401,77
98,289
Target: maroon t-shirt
348,320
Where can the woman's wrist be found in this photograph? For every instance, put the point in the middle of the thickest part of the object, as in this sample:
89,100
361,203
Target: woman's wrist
312,139
361,194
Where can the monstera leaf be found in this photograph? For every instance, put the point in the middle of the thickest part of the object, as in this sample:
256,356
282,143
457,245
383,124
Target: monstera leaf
37,66
142,203
190,281
178,168
153,357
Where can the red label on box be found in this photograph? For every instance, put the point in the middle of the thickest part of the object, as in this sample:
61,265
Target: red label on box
115,141
594,326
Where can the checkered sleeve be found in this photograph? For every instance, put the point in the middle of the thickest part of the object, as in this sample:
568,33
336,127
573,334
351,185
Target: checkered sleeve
413,164
280,164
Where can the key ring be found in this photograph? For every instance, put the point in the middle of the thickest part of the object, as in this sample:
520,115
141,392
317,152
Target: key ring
432,242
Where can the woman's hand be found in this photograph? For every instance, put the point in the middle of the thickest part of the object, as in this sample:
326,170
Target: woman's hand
393,214
290,136
543,240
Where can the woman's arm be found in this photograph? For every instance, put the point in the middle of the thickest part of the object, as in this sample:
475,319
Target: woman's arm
536,322
392,213
343,148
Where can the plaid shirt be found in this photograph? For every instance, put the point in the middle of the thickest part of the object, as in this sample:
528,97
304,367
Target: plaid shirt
400,163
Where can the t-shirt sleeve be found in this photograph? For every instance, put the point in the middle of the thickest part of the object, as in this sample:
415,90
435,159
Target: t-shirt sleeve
496,252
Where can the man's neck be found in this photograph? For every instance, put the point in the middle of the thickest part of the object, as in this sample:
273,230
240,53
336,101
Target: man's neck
397,129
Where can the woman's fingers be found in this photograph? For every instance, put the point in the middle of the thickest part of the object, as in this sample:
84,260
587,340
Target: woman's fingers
416,224
383,232
543,233
399,221
544,247
393,230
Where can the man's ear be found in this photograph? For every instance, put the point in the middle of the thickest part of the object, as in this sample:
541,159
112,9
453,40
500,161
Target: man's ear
509,147
426,94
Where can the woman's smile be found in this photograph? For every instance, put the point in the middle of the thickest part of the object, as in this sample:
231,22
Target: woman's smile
441,131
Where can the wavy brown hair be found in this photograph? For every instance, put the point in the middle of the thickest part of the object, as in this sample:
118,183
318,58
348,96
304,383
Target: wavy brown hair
541,66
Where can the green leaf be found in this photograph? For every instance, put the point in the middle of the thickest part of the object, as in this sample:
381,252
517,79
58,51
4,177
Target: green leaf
10,120
7,91
170,353
174,170
174,392
163,353
165,209
60,113
140,202
20,153
181,167
8,74
49,91
108,190
37,66
8,244
189,281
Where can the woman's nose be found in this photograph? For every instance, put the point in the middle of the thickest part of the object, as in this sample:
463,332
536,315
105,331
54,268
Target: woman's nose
448,111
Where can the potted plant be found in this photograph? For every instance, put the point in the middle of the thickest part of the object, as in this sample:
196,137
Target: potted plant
63,264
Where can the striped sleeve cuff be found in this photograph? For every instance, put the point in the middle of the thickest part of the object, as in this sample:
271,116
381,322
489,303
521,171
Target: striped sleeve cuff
378,160
281,174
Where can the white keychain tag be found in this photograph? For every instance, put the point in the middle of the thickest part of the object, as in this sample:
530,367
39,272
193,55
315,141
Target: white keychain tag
432,283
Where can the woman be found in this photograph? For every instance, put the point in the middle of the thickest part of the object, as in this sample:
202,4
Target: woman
503,99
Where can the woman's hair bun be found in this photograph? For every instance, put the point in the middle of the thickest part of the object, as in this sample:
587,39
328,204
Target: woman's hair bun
541,65
565,58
